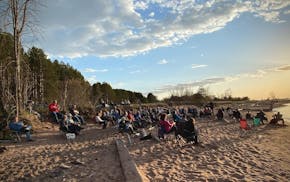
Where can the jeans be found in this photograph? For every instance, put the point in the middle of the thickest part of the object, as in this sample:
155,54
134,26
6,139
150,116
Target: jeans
26,130
56,116
79,118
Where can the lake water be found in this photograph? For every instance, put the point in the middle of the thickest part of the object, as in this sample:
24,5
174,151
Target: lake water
285,111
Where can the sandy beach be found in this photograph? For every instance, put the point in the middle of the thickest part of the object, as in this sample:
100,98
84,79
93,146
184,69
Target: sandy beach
261,154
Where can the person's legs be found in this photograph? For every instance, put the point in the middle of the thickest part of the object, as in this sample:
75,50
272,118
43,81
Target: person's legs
131,130
59,116
81,119
54,117
173,129
161,132
105,124
28,136
76,119
195,139
26,130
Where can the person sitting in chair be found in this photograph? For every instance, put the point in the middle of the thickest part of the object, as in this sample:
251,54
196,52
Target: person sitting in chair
166,126
277,117
54,110
262,116
99,120
249,116
71,125
76,114
20,127
191,131
220,114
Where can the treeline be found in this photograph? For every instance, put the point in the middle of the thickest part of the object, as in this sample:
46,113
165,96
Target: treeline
200,98
44,80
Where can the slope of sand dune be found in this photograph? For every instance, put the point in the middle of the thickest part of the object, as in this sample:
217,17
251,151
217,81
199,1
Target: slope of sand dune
225,154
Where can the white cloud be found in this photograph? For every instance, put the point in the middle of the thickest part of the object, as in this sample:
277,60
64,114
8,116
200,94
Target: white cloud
102,70
162,61
121,28
151,14
134,72
193,66
92,79
141,5
90,70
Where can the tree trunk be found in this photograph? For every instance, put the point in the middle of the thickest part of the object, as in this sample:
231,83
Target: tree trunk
41,84
17,72
65,94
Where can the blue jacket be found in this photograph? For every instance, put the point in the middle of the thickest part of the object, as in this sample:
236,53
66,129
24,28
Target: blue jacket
16,126
176,117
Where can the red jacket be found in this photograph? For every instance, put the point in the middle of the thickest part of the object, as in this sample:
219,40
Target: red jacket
53,107
167,125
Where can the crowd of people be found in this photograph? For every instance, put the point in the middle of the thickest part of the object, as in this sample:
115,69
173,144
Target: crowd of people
179,120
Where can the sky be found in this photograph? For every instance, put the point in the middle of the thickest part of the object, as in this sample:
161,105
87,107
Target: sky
239,48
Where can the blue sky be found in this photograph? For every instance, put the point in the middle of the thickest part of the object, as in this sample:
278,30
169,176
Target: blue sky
169,47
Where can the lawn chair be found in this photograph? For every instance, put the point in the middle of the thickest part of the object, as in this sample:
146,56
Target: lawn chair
256,122
244,127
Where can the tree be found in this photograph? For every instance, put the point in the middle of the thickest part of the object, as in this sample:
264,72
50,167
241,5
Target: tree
151,98
17,13
7,71
37,59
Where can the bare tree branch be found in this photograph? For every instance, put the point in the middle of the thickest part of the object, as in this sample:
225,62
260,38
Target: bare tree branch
24,10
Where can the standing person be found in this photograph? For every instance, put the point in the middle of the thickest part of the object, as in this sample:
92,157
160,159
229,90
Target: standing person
19,126
76,114
54,111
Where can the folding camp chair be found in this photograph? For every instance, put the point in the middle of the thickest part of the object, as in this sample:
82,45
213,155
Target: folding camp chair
244,127
256,122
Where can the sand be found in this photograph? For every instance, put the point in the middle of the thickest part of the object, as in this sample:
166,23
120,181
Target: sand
225,154
262,154
90,157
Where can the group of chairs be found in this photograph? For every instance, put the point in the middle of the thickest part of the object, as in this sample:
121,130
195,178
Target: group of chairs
256,121
245,126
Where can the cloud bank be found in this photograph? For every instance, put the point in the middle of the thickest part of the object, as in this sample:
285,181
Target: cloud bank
166,90
74,28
